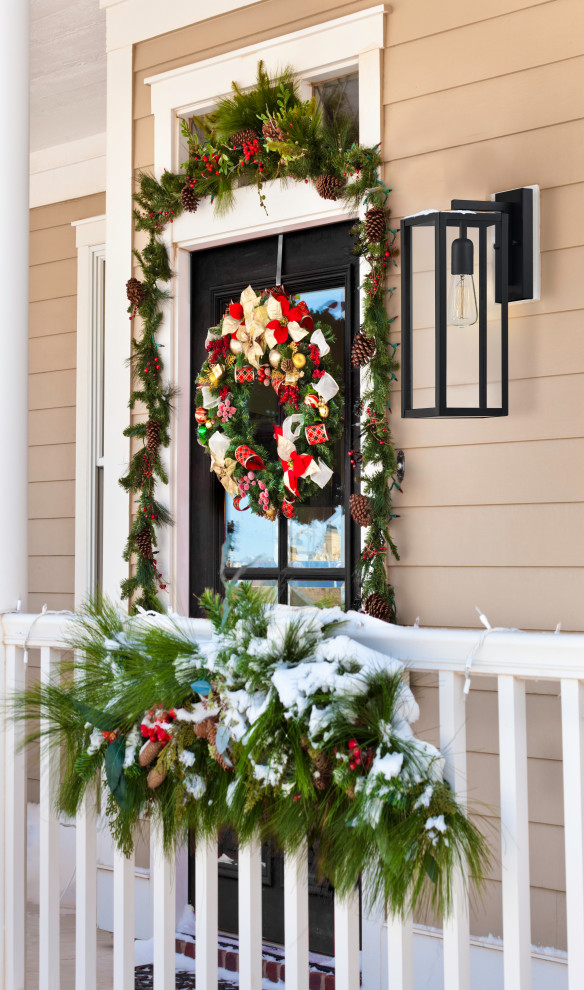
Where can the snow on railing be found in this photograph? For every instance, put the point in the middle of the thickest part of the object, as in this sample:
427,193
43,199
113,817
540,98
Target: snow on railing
510,657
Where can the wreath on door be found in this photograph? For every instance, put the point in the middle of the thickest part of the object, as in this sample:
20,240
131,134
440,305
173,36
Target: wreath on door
269,339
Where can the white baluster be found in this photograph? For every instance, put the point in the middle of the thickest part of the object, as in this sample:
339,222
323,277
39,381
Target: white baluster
573,764
514,834
49,875
250,915
456,928
206,911
123,921
400,953
15,831
162,870
86,893
296,919
347,969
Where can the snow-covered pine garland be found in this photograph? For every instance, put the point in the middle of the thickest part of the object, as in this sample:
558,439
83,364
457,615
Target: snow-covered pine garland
280,725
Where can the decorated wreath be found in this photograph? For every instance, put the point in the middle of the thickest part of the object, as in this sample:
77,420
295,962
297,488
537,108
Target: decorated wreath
269,339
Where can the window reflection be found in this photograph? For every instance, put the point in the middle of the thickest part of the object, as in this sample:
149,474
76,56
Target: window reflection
324,594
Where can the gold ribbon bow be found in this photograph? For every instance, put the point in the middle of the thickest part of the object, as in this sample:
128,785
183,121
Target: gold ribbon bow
251,330
224,469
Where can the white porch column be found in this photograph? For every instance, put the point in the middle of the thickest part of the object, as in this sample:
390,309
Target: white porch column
14,179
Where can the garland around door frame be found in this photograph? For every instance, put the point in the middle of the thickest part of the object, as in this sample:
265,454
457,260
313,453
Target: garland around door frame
256,136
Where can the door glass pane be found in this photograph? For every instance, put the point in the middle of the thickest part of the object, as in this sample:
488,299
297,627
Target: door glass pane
269,587
254,541
325,594
316,537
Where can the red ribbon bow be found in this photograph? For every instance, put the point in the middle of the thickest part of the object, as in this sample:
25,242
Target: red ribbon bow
293,466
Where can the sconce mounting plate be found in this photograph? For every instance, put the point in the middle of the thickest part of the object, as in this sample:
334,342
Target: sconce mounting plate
518,205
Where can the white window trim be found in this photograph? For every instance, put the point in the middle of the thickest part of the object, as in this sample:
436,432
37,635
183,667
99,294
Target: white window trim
90,241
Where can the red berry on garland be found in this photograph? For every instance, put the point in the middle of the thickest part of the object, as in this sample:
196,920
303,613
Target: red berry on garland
352,765
236,311
353,744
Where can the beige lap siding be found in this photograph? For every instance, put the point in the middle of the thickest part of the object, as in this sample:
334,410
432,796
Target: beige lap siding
52,387
477,98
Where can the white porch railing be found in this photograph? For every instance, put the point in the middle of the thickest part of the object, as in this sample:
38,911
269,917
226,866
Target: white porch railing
509,657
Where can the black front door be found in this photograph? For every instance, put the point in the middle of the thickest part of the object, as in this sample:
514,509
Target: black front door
307,560
311,558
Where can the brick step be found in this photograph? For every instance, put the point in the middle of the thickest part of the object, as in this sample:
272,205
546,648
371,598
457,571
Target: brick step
321,977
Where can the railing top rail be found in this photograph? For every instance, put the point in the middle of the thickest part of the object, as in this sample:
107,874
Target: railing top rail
503,651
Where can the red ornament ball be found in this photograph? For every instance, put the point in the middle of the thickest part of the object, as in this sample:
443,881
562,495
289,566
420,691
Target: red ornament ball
200,415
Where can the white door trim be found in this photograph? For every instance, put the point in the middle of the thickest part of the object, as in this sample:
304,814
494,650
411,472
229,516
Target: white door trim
352,42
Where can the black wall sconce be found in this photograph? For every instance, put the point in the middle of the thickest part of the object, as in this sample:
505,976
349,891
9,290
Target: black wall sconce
460,269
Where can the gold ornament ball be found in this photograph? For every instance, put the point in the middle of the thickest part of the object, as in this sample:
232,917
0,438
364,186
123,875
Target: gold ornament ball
323,411
299,359
235,346
274,357
209,423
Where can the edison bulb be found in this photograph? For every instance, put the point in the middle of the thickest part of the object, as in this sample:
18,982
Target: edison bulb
462,303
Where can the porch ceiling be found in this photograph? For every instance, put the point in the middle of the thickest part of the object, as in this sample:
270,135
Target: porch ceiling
67,71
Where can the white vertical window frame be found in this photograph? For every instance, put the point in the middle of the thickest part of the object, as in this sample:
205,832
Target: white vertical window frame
334,47
89,466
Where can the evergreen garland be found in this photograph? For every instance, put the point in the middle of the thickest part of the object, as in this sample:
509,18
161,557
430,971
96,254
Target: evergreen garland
294,144
280,726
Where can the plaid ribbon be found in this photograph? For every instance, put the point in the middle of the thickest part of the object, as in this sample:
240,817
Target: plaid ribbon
244,375
316,433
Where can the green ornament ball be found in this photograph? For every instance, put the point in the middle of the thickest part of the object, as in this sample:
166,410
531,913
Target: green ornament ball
202,431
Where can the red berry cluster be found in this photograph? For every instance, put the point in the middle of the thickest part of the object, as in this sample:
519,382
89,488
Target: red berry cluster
289,394
317,373
148,509
146,471
369,552
162,216
356,758
209,165
377,274
376,427
218,347
251,150
355,458
152,366
156,723
110,736
314,354
224,392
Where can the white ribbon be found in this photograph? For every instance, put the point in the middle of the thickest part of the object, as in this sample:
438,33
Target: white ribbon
209,400
318,340
327,387
317,470
219,444
292,426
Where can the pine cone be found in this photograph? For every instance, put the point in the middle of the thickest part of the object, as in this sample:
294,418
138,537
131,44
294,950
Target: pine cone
135,291
152,436
246,136
327,186
362,350
375,224
155,778
376,606
149,752
361,510
188,198
323,771
144,541
271,131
